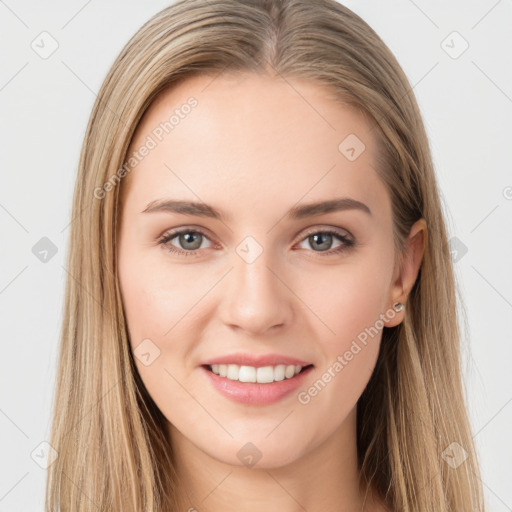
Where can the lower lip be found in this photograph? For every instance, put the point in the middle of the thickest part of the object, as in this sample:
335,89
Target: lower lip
253,393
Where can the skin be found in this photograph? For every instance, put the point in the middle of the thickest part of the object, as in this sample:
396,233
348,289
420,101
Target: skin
254,147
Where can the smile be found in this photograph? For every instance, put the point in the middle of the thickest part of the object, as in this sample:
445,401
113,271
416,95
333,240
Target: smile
261,375
251,385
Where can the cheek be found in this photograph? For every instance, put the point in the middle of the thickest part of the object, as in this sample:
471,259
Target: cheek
350,305
348,299
165,305
160,317
156,300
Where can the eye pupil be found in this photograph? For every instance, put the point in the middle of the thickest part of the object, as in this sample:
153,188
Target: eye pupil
323,245
186,238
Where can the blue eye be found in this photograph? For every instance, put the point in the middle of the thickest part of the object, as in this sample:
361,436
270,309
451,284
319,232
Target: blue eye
191,241
324,239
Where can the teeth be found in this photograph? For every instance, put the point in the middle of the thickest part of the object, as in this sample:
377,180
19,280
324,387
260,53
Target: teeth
262,375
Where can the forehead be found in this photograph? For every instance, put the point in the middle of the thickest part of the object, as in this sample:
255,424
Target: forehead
252,140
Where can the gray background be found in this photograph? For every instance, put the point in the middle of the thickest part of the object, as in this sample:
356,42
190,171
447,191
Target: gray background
465,97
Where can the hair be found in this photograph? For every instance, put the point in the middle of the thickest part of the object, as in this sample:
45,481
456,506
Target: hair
113,452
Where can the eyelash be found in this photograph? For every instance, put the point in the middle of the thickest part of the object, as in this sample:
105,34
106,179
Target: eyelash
167,237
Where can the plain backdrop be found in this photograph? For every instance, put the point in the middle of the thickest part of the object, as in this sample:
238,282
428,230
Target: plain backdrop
457,57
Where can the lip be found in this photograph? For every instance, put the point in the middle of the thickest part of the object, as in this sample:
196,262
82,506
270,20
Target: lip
253,393
257,361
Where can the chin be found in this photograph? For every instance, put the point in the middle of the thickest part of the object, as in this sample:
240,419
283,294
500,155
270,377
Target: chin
258,454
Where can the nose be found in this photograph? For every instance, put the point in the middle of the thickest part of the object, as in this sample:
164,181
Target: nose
257,296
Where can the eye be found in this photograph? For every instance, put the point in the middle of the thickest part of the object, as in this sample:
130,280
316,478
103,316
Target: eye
190,240
323,240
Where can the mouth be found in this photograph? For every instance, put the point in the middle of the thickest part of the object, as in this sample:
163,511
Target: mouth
256,385
257,374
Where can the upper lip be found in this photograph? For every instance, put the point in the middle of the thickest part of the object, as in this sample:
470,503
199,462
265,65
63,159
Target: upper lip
256,361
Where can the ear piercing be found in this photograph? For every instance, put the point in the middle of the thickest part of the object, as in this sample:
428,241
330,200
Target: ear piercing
398,306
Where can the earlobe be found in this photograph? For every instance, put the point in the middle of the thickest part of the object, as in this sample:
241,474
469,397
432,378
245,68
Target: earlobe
406,275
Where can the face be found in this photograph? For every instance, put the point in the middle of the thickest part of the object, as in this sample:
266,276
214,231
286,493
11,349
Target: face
252,274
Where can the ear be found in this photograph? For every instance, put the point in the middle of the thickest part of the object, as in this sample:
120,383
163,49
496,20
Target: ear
405,275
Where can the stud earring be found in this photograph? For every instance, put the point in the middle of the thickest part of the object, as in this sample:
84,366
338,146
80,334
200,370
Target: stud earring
398,306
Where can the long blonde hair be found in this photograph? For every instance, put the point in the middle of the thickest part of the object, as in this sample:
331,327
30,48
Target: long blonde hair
113,453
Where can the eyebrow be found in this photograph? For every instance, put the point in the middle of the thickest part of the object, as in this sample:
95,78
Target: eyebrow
297,212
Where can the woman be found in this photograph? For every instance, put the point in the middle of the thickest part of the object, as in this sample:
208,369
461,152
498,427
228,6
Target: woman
262,312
